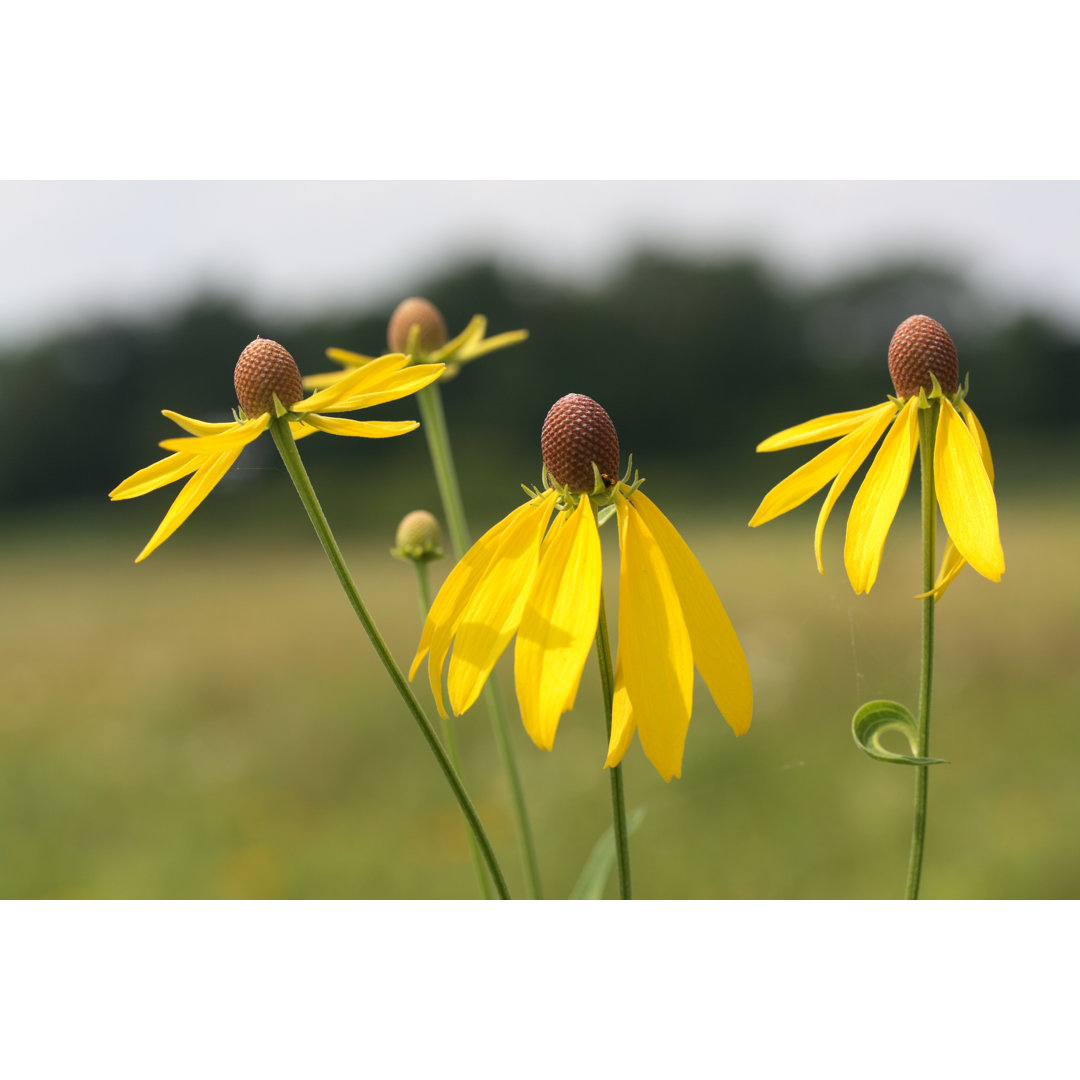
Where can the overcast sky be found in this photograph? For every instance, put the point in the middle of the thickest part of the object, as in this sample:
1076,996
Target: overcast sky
74,249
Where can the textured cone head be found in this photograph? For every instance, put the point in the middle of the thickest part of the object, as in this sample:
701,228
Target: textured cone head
920,347
264,369
416,311
576,433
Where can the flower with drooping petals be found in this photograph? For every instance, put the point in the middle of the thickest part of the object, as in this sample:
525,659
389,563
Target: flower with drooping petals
924,366
268,384
418,329
537,574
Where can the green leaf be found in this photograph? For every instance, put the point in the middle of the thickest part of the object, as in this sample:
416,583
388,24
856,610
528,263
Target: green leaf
601,861
874,719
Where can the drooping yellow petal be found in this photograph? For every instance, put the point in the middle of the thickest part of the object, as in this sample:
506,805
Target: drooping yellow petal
658,662
349,359
154,476
952,562
364,379
493,612
810,478
623,725
879,497
365,429
449,605
210,471
397,385
472,333
976,430
824,427
862,440
197,427
481,348
966,496
323,380
299,430
558,625
235,438
717,652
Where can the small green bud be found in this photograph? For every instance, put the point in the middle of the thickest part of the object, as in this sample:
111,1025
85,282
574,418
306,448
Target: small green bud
418,538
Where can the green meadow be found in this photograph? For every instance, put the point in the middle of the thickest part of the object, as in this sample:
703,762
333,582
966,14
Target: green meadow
212,723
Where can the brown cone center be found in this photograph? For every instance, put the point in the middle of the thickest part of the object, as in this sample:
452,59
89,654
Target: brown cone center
264,369
921,347
578,432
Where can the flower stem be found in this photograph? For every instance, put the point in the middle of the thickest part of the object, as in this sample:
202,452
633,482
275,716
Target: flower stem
927,429
433,422
618,799
283,439
423,588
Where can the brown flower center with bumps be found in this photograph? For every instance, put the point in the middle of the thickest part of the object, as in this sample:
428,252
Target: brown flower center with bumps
264,369
921,347
578,432
416,311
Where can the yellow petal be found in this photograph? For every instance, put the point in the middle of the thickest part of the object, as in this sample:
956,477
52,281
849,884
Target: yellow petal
449,605
810,478
154,476
966,496
558,625
322,380
197,427
952,562
349,359
473,332
862,441
493,612
236,437
658,662
879,497
976,430
824,427
482,348
397,385
622,719
299,430
366,429
369,377
717,652
210,471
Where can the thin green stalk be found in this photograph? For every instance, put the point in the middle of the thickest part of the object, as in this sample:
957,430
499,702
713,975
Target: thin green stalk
283,439
618,799
433,422
423,588
927,429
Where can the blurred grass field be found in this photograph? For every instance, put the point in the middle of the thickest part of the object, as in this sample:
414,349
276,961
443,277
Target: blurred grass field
213,723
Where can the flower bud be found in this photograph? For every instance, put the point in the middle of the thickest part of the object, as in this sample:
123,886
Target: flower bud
418,537
264,369
416,311
578,432
921,347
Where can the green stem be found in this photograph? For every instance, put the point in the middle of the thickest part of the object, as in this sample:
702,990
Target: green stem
618,799
279,429
433,422
423,588
927,429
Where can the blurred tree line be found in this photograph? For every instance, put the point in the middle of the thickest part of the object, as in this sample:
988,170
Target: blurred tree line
696,361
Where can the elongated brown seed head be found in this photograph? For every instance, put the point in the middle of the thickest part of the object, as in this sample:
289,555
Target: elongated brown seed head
264,369
416,311
921,346
578,432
